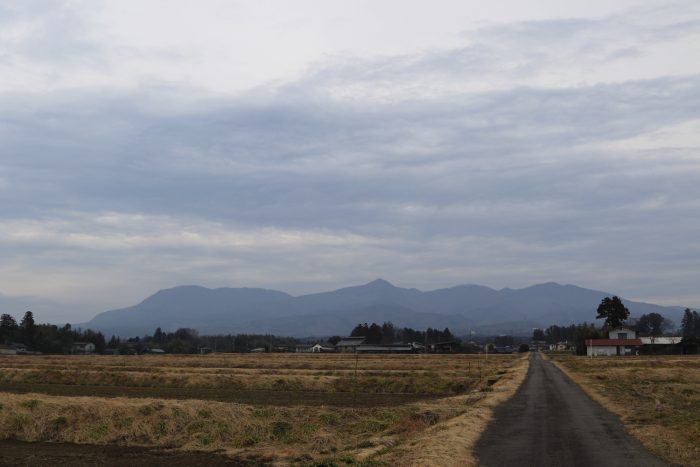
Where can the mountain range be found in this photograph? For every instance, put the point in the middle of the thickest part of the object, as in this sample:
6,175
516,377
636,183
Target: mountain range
462,308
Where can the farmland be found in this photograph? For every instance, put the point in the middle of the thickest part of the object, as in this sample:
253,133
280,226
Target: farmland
282,408
657,398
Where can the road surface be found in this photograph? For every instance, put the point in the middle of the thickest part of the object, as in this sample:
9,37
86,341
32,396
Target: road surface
551,422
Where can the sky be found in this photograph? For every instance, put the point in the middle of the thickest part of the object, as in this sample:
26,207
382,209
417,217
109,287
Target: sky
309,145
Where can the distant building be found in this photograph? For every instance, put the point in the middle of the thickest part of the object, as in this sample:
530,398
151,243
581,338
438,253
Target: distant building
624,341
661,340
444,347
560,346
536,345
313,348
621,341
357,344
7,350
21,349
349,344
82,348
385,348
502,349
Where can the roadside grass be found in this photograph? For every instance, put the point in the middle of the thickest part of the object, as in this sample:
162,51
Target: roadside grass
656,397
449,441
313,434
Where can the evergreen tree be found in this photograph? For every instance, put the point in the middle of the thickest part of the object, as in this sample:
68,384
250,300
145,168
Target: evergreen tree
360,330
388,333
8,328
686,323
614,312
374,334
652,324
28,328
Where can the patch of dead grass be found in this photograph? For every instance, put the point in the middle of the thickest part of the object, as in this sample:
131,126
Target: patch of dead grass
451,442
289,434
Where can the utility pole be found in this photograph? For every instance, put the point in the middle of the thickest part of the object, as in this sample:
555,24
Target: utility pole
354,388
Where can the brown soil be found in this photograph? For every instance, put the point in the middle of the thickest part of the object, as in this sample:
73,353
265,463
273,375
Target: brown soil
241,396
19,453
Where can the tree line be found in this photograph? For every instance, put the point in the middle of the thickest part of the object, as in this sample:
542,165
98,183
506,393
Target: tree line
46,338
186,340
387,333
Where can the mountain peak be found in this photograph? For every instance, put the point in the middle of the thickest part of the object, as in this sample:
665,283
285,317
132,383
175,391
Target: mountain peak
381,283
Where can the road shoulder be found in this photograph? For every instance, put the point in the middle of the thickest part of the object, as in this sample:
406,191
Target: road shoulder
452,442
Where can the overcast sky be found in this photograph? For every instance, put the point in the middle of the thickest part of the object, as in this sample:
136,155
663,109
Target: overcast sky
310,145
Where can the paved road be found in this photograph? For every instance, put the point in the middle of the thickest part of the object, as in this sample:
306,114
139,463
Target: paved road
551,422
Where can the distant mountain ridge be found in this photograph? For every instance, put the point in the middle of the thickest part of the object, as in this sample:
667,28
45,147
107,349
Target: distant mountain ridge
461,308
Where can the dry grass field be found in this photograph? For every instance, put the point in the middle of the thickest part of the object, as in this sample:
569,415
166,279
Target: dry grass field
296,409
657,398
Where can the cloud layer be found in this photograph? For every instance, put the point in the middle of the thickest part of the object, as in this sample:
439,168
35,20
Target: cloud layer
559,149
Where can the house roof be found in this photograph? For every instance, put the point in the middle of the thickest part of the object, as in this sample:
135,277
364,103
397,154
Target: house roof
350,341
380,348
613,342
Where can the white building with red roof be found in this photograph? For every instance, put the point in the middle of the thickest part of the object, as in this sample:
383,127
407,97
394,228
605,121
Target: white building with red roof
621,341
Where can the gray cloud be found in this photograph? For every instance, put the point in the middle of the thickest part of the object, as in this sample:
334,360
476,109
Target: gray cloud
297,188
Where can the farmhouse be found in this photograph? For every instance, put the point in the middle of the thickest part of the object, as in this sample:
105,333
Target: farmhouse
313,348
349,344
621,341
82,348
357,344
624,341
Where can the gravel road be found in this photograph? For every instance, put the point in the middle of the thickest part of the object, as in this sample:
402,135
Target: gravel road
551,422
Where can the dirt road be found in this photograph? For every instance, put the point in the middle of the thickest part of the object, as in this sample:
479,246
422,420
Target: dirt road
551,422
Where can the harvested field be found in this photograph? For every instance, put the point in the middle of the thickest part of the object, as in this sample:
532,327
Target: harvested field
436,375
85,455
292,408
657,398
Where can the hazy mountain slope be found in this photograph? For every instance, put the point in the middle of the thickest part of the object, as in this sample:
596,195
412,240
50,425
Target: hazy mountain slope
462,308
324,324
353,298
207,310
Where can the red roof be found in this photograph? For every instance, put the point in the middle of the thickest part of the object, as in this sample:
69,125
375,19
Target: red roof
613,342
